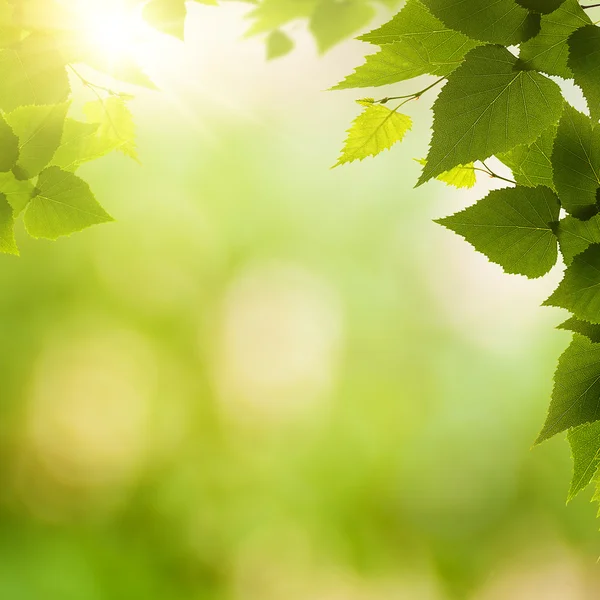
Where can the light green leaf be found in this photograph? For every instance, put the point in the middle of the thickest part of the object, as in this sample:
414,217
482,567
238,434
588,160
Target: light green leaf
461,177
8,245
512,227
415,22
116,127
499,22
278,44
63,203
167,16
18,193
575,235
589,330
585,450
576,162
489,106
584,50
376,129
39,129
548,51
271,14
532,164
576,394
9,146
579,291
332,20
33,72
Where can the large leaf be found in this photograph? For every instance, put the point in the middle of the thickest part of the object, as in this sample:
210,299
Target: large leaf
589,330
548,51
63,203
579,291
576,394
499,22
512,227
489,106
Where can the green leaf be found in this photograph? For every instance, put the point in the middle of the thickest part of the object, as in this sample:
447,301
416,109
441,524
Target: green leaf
589,330
584,49
542,6
33,72
8,245
376,129
415,21
489,106
576,394
512,227
278,44
63,203
585,449
115,124
334,20
575,235
461,177
271,14
532,164
167,16
500,22
78,145
9,146
579,291
39,129
18,193
548,51
576,162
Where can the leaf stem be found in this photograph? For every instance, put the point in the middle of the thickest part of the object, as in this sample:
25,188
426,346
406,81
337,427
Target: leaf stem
93,86
410,97
586,6
493,175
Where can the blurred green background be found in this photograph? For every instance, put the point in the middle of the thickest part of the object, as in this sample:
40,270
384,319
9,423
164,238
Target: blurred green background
269,380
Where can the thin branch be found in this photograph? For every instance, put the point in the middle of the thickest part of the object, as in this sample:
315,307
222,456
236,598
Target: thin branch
585,7
409,97
493,175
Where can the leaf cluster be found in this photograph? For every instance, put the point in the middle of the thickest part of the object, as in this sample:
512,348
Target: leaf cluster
496,66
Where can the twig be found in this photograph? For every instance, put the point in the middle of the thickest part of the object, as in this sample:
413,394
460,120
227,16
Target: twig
493,175
409,97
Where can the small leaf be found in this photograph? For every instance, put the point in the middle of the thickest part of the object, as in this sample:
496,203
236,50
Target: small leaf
585,449
167,16
461,177
8,245
9,146
278,44
579,291
584,47
377,129
116,126
531,165
63,203
575,236
576,162
576,394
334,20
589,330
512,228
39,129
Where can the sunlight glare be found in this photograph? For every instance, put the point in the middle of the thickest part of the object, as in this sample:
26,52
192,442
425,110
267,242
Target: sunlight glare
115,29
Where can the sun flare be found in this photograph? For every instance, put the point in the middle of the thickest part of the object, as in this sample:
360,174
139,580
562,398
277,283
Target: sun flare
114,29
